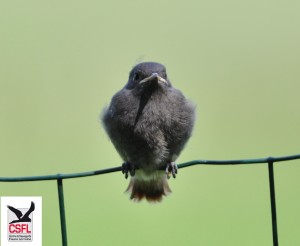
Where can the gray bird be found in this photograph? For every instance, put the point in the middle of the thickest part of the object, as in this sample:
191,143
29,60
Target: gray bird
149,122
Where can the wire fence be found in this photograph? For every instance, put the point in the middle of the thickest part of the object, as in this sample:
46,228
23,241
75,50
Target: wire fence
60,177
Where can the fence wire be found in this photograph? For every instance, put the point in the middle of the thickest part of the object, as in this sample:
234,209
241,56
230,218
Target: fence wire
60,177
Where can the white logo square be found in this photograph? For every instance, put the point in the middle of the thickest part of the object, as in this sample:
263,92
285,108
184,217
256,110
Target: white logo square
21,221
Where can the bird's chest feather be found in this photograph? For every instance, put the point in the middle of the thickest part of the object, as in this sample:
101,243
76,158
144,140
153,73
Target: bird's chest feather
142,117
152,114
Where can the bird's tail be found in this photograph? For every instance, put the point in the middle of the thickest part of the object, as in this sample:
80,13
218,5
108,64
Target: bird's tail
152,187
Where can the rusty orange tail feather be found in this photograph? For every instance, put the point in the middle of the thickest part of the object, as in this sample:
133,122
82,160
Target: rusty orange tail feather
152,190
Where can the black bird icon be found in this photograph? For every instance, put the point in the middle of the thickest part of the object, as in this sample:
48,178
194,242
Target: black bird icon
19,214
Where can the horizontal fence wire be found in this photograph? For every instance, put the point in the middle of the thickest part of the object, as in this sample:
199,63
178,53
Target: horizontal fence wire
59,178
182,165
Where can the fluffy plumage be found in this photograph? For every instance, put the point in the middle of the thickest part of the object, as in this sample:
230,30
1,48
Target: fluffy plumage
149,122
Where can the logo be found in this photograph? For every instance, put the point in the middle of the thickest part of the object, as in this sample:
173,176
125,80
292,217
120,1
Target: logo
20,229
21,221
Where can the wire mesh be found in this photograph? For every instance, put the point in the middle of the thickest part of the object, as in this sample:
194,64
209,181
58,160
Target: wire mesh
60,177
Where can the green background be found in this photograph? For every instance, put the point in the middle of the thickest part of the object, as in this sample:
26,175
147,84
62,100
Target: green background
61,62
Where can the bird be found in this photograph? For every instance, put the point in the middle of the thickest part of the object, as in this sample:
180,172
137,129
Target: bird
149,122
19,214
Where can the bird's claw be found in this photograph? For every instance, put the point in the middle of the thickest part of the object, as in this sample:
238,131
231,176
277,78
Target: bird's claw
128,167
171,169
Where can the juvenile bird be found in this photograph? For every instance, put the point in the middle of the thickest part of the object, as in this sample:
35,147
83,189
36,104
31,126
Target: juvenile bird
149,122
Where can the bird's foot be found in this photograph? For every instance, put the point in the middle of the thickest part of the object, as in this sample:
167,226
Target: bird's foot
128,167
171,169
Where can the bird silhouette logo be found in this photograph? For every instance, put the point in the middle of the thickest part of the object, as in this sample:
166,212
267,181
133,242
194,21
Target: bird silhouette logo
19,214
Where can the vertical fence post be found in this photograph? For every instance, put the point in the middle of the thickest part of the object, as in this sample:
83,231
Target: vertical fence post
273,203
62,212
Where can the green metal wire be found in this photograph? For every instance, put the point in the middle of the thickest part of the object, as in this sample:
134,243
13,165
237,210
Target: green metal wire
63,225
273,203
60,177
116,169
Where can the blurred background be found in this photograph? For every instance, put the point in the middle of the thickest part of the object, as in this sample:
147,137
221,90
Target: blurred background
60,64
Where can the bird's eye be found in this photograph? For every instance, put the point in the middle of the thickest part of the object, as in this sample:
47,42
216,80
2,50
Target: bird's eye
136,77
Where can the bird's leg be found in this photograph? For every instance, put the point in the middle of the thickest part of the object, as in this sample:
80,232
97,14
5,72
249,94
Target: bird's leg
171,169
128,167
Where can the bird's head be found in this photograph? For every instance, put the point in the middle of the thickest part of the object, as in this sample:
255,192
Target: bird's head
148,76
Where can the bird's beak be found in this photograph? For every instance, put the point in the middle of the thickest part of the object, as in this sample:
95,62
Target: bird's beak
153,76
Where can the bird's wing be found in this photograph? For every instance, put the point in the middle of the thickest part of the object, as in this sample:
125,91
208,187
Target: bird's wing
17,212
30,210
